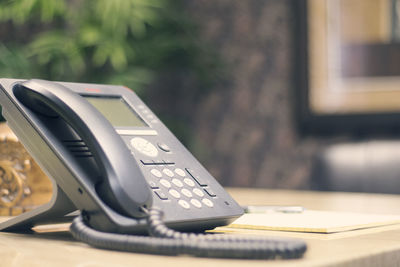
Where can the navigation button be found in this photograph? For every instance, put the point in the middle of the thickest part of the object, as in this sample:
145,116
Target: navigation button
164,147
144,146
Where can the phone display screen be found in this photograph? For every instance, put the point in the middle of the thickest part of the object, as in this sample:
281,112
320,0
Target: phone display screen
116,111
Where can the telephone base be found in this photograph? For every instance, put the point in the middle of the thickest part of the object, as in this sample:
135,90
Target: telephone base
58,210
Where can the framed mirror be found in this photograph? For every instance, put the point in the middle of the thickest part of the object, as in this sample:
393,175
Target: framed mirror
349,65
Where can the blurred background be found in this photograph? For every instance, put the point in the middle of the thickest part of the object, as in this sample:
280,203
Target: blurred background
265,93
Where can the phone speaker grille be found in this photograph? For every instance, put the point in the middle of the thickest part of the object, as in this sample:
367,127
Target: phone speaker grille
78,148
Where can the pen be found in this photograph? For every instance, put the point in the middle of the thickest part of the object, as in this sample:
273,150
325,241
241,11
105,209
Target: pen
267,209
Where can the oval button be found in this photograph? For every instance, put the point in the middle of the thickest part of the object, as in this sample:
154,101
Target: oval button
164,147
184,204
144,146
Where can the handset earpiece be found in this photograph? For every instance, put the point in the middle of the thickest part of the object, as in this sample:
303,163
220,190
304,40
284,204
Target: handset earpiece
123,186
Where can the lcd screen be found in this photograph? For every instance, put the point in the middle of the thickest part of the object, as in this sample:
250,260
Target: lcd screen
116,111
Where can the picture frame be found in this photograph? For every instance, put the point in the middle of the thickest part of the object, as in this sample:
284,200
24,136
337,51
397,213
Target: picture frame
347,80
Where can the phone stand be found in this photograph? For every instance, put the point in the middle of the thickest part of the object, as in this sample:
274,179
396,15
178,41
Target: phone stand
57,210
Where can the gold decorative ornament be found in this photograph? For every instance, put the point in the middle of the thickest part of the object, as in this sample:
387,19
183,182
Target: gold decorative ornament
11,185
23,185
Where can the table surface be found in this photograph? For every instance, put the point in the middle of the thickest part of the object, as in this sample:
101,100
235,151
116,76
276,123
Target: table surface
378,246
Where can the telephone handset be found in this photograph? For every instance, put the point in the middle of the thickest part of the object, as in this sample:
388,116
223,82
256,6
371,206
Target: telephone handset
111,158
123,186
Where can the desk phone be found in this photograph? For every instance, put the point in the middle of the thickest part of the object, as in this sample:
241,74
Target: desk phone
110,157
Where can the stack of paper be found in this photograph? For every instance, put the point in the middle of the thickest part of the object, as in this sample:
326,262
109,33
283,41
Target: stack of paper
313,221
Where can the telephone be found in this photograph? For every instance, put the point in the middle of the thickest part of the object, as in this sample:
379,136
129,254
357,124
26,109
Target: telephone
112,159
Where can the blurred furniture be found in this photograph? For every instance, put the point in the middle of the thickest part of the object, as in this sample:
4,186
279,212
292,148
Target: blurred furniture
372,166
23,185
369,247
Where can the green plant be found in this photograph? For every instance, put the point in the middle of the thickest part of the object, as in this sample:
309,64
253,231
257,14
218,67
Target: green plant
106,41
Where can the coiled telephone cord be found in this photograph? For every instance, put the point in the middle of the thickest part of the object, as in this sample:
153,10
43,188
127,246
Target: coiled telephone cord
166,241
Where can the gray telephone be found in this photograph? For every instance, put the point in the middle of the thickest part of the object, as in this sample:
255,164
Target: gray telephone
113,160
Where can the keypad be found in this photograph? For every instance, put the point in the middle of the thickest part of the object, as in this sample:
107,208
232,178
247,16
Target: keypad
174,185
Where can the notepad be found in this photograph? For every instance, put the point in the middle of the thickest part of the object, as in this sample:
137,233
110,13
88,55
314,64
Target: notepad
313,221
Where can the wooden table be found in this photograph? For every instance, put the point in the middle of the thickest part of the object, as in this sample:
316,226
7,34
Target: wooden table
378,246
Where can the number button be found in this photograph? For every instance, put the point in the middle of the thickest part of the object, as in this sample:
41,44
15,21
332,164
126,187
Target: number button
184,204
198,192
168,172
180,172
177,182
208,202
165,183
186,192
189,182
174,193
195,203
156,173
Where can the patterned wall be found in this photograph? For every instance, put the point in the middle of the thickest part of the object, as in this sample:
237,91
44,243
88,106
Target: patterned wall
244,126
247,125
